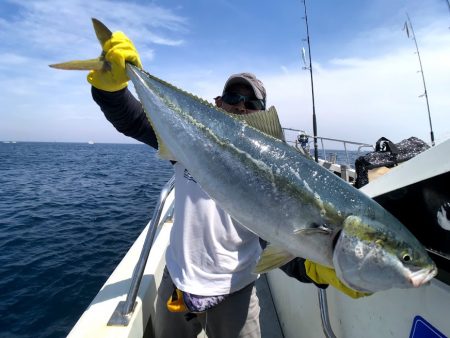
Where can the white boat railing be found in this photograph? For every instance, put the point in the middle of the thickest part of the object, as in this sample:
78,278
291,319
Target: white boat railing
303,140
124,310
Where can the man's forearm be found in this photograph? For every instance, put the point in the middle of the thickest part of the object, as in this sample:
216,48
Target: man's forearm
126,114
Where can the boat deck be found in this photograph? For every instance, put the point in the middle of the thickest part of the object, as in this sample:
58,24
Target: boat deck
269,322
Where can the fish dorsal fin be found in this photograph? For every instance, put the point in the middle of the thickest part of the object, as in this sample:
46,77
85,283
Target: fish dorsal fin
272,258
266,121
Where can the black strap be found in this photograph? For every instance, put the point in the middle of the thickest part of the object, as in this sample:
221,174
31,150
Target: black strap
385,145
174,293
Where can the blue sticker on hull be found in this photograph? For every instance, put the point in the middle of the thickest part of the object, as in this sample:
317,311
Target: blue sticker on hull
422,329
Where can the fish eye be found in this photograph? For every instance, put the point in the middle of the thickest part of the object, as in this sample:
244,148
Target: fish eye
406,257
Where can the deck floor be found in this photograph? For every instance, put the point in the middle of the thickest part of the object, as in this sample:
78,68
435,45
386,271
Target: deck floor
270,325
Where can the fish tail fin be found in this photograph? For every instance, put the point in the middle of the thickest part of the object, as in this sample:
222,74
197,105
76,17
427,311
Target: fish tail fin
103,34
92,64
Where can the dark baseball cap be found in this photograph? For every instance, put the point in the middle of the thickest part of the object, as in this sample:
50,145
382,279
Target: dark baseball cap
248,79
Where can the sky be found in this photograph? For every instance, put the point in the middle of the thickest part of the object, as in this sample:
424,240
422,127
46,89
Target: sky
366,75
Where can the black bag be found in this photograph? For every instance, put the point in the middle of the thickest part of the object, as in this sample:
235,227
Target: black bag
387,154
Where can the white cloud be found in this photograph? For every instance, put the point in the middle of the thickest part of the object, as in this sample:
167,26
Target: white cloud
11,59
52,26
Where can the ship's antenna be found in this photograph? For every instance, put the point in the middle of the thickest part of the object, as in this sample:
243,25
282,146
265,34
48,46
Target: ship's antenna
316,151
408,27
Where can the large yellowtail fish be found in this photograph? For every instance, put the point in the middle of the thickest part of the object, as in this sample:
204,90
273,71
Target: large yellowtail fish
300,208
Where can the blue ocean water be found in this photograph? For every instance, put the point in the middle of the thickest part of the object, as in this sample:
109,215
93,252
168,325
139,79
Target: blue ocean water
68,214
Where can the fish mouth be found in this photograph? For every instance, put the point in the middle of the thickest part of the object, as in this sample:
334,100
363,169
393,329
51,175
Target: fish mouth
423,276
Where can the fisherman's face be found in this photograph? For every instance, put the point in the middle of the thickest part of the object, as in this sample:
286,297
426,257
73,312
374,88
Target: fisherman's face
242,106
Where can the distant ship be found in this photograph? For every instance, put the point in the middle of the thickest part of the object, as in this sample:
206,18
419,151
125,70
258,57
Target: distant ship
90,142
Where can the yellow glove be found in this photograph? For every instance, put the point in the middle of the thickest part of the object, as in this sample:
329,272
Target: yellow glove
324,275
118,50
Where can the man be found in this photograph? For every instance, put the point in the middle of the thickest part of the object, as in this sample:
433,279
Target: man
210,259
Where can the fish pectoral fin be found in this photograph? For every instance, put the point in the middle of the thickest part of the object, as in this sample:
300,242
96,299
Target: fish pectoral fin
272,258
317,230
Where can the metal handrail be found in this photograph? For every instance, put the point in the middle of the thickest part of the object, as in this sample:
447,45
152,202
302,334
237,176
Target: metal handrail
344,143
122,314
326,326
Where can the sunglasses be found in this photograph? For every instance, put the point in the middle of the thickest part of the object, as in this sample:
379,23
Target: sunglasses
250,102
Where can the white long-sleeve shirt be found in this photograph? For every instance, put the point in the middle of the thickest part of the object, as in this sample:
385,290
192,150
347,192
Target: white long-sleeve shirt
209,253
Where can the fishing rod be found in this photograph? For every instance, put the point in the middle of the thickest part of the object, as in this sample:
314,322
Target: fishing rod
407,27
316,150
322,294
